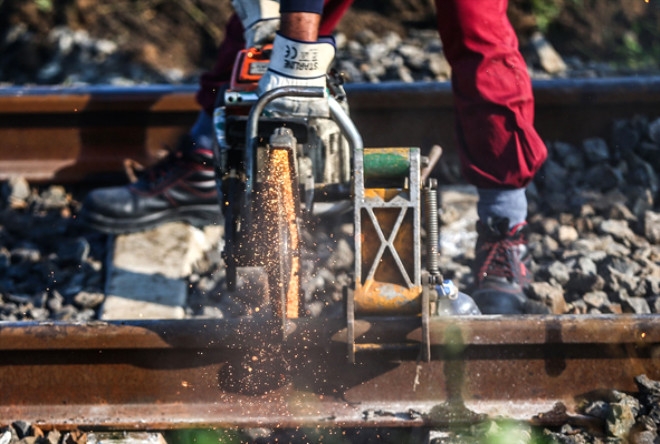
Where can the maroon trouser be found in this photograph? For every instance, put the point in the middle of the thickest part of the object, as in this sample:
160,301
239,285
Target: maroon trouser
499,146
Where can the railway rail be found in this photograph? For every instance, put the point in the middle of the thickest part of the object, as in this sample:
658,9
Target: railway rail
77,134
214,373
162,374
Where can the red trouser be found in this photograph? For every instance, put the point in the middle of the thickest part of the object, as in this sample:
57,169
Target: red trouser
492,90
492,94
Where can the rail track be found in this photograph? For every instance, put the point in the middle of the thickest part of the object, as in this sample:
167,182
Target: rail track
78,134
215,373
161,374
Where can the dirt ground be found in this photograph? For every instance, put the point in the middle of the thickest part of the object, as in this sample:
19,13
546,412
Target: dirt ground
183,34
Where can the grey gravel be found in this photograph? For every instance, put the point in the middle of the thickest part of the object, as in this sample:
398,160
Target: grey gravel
73,58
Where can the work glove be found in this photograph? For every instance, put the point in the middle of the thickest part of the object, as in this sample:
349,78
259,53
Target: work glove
298,63
260,19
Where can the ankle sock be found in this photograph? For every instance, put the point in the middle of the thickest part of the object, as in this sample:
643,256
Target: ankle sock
502,203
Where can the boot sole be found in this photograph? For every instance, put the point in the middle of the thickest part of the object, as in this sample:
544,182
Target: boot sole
494,301
198,215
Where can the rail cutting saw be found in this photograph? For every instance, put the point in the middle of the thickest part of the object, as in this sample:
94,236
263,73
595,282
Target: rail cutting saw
271,171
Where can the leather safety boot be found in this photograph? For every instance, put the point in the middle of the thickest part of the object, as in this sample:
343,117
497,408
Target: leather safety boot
180,187
500,270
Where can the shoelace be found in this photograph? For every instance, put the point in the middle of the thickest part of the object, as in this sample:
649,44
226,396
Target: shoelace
164,167
500,261
161,170
135,171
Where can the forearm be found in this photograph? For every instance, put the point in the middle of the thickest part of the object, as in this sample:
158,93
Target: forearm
300,19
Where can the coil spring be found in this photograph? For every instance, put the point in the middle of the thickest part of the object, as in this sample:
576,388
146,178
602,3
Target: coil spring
432,231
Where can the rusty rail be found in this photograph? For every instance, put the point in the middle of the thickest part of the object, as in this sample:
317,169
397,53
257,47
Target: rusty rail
236,373
76,134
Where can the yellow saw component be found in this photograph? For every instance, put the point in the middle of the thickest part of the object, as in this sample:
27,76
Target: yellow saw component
373,297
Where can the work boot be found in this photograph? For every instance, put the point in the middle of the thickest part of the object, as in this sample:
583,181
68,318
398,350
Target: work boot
298,63
180,187
500,270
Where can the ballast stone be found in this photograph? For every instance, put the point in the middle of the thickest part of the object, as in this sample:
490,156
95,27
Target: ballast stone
148,271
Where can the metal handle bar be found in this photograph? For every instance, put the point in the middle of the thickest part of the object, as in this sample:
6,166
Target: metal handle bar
337,113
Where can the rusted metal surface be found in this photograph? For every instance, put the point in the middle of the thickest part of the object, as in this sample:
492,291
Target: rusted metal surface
173,374
73,134
70,135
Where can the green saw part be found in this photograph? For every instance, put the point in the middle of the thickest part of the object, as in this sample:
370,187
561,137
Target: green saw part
386,163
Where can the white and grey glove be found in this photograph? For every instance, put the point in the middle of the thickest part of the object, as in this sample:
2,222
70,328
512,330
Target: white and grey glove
260,19
298,63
